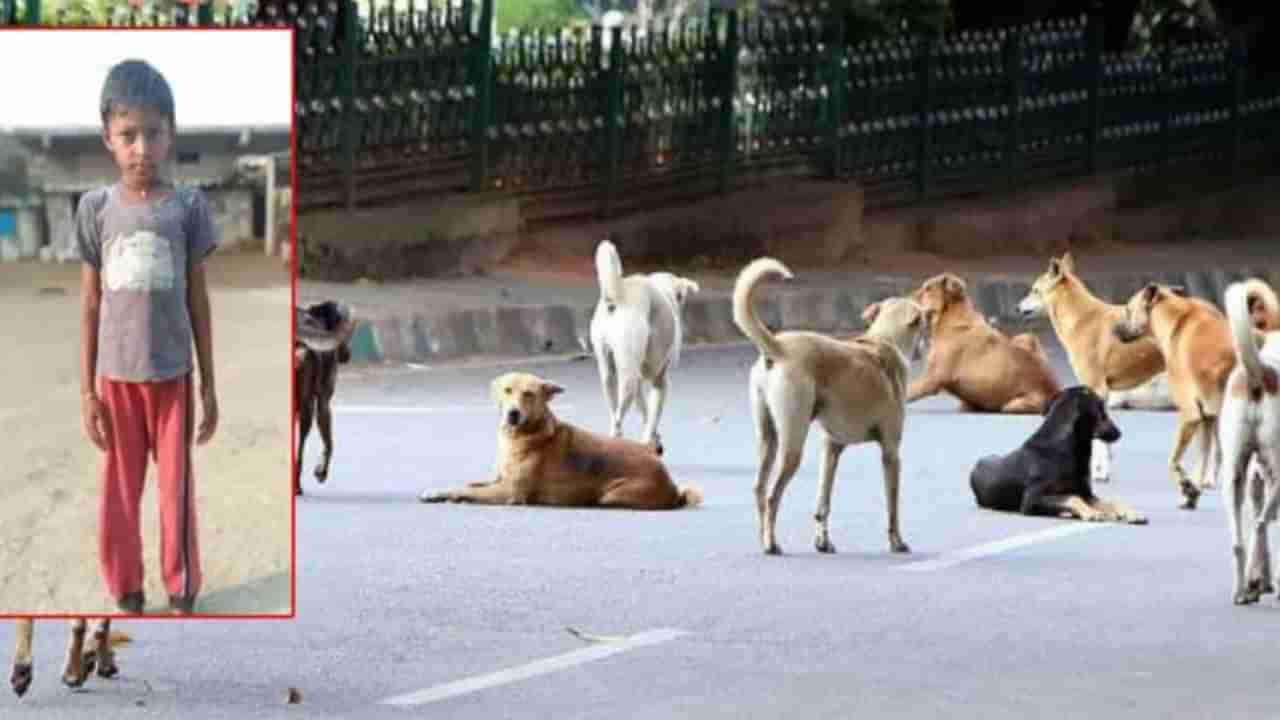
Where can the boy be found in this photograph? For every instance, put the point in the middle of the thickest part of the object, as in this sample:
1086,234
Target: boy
144,296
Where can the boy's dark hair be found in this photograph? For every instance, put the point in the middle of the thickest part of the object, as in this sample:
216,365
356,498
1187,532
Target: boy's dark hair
136,84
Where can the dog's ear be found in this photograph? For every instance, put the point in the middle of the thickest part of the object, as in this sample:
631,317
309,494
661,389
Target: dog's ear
953,287
1150,294
1055,268
870,312
550,390
1178,290
1068,264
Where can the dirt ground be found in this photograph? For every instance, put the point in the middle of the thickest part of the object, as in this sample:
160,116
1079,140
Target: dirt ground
49,471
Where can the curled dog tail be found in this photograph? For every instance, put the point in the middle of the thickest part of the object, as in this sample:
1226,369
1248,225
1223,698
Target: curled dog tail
1237,305
690,496
609,272
744,314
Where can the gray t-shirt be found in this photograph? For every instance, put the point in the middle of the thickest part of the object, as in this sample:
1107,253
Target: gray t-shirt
143,251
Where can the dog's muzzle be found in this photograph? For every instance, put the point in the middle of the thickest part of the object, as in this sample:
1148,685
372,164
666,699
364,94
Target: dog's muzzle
1108,432
513,417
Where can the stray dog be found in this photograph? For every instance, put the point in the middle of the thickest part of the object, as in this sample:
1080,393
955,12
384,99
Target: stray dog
1049,473
1099,359
855,389
1195,341
637,333
543,461
321,344
974,361
1249,430
81,660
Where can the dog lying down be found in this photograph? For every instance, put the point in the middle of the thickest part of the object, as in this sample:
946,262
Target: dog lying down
1049,474
544,461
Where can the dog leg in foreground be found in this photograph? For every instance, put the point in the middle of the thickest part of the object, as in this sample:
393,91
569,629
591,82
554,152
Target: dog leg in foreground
497,493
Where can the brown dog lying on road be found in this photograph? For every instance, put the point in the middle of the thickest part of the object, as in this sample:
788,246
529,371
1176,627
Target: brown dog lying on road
1195,340
544,461
970,359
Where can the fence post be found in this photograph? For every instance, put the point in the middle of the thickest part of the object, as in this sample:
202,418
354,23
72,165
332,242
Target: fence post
1013,136
729,91
837,63
924,152
204,13
350,53
614,119
1097,66
33,13
1238,55
482,79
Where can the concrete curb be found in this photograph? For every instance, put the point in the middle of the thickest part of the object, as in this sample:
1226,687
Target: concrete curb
417,336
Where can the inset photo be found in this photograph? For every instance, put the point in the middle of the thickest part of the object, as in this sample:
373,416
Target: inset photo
145,237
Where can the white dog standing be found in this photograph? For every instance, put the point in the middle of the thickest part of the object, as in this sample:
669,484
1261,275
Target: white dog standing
1249,430
636,334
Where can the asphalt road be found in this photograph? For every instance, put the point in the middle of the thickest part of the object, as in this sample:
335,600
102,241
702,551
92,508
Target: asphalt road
464,612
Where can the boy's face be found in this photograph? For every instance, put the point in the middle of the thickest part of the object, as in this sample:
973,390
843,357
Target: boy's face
139,140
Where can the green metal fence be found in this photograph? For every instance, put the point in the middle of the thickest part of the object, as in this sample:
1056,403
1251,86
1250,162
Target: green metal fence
421,99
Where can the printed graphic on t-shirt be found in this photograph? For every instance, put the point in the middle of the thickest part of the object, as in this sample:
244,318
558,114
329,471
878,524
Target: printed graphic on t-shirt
142,261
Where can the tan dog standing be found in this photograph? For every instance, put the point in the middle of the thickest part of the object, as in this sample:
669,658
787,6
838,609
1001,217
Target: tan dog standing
1086,327
543,461
855,389
1195,341
974,361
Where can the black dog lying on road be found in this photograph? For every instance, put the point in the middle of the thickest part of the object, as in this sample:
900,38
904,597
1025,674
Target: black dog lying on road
1049,474
321,338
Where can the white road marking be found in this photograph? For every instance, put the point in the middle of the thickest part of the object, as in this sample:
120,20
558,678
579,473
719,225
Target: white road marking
976,552
421,410
535,668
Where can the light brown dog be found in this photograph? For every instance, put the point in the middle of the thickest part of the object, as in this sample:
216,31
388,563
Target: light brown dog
1085,326
81,660
543,461
974,361
1195,341
855,389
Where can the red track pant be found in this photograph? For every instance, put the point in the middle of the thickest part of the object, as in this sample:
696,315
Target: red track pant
155,419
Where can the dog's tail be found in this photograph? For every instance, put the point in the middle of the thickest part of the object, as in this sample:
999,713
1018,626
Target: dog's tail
1237,302
609,272
744,314
690,496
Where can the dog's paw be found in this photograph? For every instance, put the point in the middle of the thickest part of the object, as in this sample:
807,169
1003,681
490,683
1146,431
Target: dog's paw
1135,519
772,549
824,546
321,473
428,497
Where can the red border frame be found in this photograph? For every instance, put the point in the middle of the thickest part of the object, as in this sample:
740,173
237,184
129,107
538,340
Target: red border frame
293,299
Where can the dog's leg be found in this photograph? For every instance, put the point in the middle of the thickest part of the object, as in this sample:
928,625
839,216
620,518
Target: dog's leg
1233,494
493,494
1207,434
104,658
73,672
653,411
1190,493
892,466
826,480
766,449
638,494
1060,505
1118,511
1024,405
324,421
923,387
1264,477
793,408
1100,461
629,388
306,410
609,385
20,677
